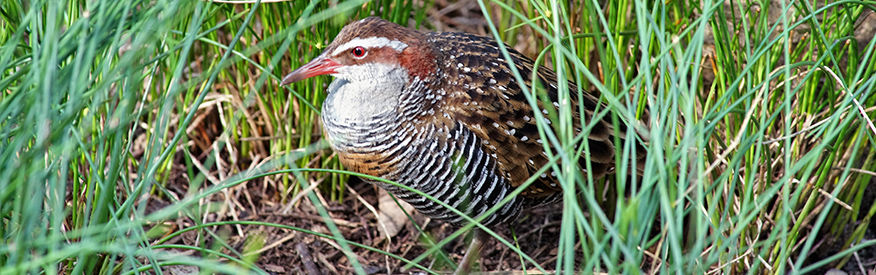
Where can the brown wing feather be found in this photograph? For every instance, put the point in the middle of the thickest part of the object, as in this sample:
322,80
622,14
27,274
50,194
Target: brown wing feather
489,101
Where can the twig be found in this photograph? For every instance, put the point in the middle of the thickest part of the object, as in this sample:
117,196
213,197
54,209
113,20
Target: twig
290,236
307,259
318,219
843,90
300,195
856,170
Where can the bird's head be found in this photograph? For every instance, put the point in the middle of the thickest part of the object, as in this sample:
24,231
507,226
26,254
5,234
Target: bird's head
370,50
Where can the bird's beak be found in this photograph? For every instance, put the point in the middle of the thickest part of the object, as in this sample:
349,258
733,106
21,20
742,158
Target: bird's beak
318,66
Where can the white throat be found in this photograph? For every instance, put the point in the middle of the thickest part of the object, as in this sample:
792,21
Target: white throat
362,92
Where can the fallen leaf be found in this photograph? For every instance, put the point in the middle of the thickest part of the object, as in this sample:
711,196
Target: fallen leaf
391,218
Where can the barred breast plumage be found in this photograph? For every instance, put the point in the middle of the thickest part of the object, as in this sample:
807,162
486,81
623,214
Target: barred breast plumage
442,114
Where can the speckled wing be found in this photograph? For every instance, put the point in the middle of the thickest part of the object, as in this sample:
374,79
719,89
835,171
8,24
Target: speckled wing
489,101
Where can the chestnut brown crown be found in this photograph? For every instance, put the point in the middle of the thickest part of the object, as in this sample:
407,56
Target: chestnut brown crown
371,40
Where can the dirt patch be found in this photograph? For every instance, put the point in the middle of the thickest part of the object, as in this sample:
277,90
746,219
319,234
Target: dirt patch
286,251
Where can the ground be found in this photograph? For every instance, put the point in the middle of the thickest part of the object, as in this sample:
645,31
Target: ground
287,251
291,252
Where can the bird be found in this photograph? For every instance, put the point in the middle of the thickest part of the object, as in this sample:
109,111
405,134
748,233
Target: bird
442,113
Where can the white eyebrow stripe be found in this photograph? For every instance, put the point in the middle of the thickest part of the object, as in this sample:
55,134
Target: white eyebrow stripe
371,42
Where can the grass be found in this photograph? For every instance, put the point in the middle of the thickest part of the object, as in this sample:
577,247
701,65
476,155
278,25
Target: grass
759,145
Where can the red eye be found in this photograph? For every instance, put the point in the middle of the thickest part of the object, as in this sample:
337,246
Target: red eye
358,52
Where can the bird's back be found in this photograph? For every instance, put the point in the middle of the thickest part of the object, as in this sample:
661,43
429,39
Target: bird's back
489,101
